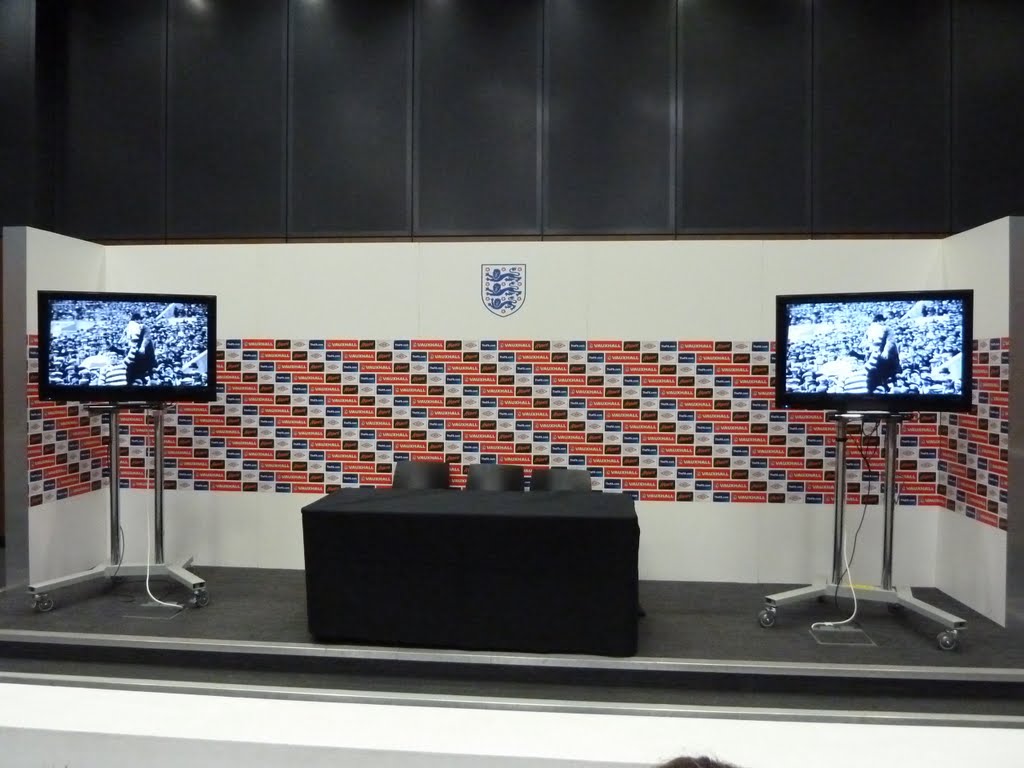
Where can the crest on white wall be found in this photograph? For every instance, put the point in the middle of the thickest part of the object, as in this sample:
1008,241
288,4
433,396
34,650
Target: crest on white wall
503,288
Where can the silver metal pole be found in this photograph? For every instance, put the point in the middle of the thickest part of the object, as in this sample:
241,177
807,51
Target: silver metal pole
892,430
840,500
158,484
115,487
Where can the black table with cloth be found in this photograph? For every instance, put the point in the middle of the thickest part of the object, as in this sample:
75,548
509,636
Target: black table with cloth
482,570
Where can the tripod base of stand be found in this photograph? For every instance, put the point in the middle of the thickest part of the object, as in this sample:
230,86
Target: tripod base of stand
43,602
896,598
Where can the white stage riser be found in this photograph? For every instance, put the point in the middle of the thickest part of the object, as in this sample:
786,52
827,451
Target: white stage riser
46,725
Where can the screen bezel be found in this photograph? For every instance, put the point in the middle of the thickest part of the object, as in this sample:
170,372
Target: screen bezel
859,403
129,393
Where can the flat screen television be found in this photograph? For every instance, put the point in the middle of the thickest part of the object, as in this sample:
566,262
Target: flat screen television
127,347
865,352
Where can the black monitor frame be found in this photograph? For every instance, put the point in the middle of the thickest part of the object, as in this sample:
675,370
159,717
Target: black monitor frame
130,393
874,403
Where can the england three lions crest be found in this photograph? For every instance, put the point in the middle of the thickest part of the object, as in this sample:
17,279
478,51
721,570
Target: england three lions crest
503,288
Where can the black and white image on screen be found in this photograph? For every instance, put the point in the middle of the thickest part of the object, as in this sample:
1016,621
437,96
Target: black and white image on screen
128,343
878,347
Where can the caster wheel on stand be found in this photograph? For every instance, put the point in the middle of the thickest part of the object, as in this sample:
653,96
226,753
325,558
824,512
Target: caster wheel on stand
949,640
42,603
200,598
766,618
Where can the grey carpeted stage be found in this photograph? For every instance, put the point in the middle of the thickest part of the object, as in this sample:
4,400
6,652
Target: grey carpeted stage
700,645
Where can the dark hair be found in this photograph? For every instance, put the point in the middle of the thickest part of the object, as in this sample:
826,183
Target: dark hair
695,762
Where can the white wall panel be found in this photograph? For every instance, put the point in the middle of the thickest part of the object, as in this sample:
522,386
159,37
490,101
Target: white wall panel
980,259
58,263
677,290
698,542
297,291
751,543
794,543
71,535
243,530
558,291
597,289
820,266
970,564
971,560
780,543
68,536
645,290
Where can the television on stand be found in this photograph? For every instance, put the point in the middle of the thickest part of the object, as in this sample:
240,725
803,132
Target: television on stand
886,352
872,358
127,347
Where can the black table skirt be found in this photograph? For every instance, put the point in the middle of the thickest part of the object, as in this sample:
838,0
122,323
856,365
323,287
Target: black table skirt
537,572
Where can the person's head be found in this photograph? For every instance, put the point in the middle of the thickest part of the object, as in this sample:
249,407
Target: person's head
695,762
135,332
876,338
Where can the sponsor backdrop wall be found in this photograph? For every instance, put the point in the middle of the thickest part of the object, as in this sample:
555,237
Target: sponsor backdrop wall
647,362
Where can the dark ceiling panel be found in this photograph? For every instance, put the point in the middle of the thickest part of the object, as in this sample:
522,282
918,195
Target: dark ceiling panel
881,117
745,141
349,118
17,112
988,117
477,128
226,118
112,134
609,134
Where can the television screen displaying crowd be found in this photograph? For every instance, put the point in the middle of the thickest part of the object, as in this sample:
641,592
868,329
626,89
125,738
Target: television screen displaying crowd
886,347
135,343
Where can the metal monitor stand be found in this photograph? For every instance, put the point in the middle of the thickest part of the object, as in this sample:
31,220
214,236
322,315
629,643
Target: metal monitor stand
896,598
158,569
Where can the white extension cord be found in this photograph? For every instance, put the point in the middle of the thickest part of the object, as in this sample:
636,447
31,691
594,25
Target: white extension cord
149,558
853,592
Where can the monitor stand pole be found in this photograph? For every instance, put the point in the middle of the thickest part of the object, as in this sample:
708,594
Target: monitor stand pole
158,569
897,598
